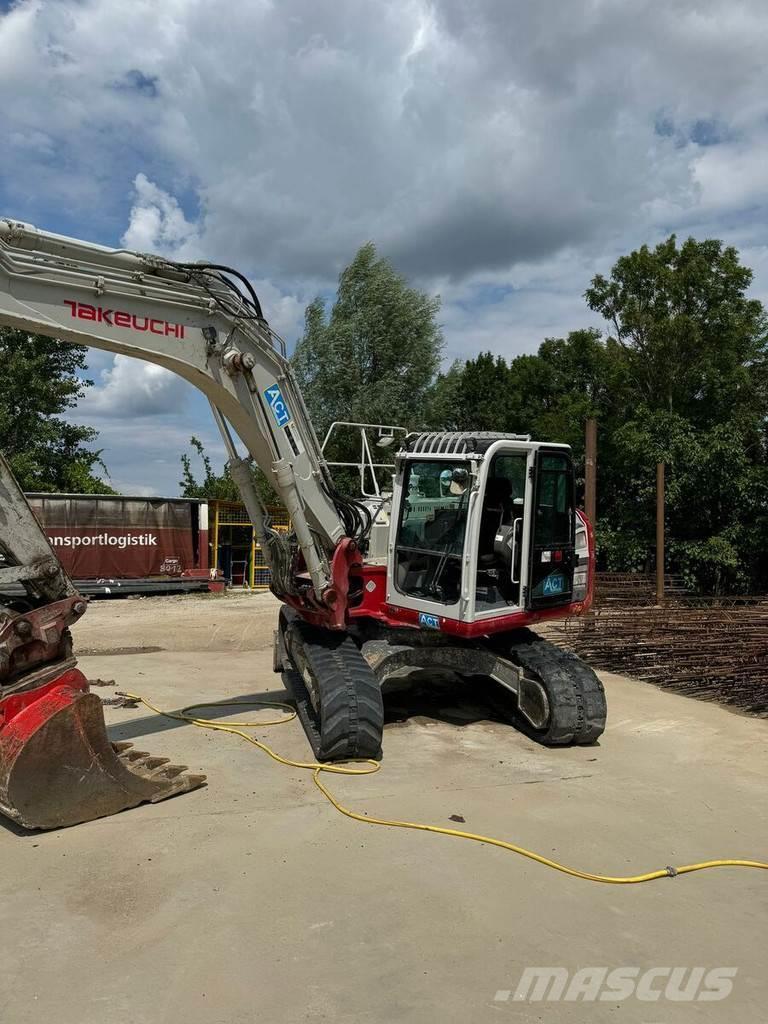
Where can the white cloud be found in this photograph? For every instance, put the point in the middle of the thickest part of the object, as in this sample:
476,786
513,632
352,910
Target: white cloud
157,223
501,153
732,176
131,388
143,454
462,138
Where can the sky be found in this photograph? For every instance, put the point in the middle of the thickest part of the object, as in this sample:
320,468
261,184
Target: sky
499,152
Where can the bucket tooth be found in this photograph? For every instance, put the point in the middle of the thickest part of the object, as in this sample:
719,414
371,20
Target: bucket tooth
58,767
134,755
155,762
194,781
170,771
181,784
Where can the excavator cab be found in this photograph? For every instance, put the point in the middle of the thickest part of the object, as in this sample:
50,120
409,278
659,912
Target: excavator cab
486,529
483,541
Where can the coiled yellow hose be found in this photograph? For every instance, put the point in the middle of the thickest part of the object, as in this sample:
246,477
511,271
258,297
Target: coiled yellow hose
369,767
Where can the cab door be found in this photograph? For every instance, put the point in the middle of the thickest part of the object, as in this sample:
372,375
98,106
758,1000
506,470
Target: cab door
500,541
552,557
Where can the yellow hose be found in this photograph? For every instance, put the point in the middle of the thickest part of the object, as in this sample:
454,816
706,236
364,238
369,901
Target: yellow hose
369,767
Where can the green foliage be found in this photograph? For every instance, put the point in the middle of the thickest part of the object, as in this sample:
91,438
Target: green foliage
375,358
715,493
218,485
39,382
456,401
694,344
680,379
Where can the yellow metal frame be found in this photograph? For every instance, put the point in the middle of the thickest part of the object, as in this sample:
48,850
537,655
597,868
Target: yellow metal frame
233,513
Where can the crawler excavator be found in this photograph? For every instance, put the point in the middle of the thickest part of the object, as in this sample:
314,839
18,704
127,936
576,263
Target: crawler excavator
477,539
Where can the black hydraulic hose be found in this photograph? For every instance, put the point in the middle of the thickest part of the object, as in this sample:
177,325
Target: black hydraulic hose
222,269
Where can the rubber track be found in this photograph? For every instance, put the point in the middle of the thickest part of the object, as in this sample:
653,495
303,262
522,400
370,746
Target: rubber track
576,695
294,684
351,717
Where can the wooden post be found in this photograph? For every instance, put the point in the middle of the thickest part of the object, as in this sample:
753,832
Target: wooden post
590,471
660,533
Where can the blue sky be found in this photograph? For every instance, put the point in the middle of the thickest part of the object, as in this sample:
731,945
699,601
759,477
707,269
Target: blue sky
499,152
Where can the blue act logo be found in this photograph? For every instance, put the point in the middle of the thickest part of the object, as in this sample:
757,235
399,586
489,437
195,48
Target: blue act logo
429,621
277,405
554,585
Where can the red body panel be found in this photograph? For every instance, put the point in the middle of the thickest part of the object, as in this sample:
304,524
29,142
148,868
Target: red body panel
395,616
375,606
57,694
370,582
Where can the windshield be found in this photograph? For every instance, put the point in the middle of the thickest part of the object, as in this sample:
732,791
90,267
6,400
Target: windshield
430,535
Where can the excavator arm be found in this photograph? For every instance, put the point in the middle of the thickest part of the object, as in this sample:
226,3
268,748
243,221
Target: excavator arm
203,322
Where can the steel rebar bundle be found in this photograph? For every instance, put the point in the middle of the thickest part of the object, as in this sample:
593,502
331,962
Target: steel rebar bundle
711,648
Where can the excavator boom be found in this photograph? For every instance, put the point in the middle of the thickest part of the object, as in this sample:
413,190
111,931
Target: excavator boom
202,322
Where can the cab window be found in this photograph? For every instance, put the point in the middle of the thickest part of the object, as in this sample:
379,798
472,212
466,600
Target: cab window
430,534
554,512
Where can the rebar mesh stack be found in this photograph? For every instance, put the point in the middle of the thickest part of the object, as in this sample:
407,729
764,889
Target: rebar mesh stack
714,649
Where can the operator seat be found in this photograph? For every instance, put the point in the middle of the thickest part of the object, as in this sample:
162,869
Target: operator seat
497,510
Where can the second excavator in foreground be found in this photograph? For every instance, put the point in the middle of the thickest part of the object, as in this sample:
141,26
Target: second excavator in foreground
477,539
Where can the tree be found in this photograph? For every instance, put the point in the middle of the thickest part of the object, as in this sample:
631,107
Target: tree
473,395
695,345
38,383
547,395
218,485
715,501
375,358
679,378
443,410
694,353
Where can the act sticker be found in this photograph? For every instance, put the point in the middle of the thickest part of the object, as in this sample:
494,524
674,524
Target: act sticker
554,584
277,405
429,621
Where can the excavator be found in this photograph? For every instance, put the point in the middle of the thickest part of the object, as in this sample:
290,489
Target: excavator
475,539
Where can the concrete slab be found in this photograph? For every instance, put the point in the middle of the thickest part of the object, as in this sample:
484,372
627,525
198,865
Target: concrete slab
253,899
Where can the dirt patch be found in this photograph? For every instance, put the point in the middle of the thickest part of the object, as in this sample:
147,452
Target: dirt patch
238,621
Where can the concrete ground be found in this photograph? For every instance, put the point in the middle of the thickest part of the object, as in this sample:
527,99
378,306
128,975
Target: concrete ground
253,899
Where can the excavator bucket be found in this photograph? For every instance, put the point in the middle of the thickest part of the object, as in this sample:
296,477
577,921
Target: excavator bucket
58,767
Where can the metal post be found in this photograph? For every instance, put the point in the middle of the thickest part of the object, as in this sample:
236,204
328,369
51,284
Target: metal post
252,574
590,471
660,533
215,535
